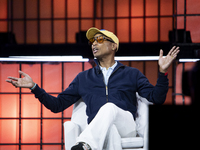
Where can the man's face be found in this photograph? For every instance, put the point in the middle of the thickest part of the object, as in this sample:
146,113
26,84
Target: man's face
103,49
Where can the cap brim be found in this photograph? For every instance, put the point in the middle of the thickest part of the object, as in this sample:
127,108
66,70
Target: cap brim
91,32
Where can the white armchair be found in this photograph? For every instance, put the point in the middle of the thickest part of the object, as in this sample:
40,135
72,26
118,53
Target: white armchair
78,123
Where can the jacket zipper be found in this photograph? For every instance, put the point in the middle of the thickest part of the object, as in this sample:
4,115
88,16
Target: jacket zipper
106,89
107,84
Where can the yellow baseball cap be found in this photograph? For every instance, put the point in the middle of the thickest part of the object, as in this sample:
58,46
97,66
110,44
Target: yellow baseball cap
92,31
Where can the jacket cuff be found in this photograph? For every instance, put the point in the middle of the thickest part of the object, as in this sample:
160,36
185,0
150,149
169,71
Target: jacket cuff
37,91
163,74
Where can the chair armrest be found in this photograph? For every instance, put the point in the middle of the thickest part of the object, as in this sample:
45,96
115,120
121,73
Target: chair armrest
146,138
71,132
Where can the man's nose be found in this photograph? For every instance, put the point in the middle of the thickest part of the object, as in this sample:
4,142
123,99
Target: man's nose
94,43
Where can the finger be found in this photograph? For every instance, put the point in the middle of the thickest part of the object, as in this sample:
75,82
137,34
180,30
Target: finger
175,51
13,78
15,83
170,52
161,53
22,73
8,80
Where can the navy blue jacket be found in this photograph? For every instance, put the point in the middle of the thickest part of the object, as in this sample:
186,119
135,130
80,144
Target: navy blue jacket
122,86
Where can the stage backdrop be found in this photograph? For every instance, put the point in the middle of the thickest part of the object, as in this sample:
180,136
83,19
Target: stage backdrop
58,21
26,124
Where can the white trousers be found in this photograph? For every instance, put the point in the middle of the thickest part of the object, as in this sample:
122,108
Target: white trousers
106,129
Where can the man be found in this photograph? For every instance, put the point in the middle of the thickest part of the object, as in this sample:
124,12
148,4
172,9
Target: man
109,91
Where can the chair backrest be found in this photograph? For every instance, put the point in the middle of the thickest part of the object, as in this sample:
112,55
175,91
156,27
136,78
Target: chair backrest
142,115
79,114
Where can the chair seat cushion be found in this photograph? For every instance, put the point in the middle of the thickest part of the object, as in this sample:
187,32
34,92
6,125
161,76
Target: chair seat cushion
134,142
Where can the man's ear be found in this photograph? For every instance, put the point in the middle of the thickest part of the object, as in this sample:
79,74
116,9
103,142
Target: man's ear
114,46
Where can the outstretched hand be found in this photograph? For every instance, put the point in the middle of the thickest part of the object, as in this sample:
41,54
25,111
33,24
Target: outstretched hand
165,62
25,82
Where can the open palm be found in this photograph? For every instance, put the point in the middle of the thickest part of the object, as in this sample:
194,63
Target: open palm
165,62
25,82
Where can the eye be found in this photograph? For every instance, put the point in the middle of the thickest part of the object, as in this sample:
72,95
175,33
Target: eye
100,39
91,41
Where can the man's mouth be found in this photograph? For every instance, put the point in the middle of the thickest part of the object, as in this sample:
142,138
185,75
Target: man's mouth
95,50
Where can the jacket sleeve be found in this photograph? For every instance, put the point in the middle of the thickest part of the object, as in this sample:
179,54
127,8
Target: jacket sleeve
62,101
156,94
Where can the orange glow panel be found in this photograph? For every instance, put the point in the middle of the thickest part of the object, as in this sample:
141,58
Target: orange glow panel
31,9
30,106
165,27
168,100
30,147
18,9
3,26
122,8
193,24
180,22
170,75
3,10
108,9
45,9
8,70
180,7
51,147
87,8
52,77
9,147
193,7
179,71
9,105
49,113
86,24
68,112
126,63
151,7
151,29
137,30
109,24
137,8
45,31
179,100
18,29
31,32
59,8
34,71
30,131
59,31
166,7
98,9
138,65
98,23
72,8
51,131
72,29
9,131
71,70
123,30
87,66
151,68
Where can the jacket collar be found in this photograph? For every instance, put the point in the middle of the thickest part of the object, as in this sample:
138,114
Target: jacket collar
98,69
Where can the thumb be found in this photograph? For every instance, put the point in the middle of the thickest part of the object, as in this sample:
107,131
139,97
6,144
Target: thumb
161,53
22,73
